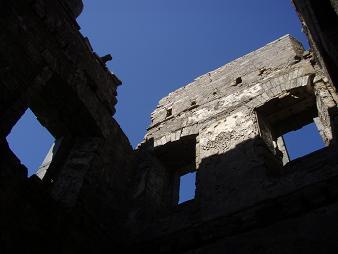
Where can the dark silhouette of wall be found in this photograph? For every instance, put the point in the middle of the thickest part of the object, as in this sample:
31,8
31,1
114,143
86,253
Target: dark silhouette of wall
97,195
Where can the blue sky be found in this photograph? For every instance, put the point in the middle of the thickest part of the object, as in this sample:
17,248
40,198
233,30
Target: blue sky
303,141
159,46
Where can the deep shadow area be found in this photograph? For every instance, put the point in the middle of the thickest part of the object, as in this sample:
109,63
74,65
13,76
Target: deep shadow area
99,195
261,197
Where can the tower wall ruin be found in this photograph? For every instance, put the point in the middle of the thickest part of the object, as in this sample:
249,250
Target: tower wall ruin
95,194
233,120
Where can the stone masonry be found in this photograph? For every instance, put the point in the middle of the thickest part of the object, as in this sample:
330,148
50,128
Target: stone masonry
95,194
53,70
233,119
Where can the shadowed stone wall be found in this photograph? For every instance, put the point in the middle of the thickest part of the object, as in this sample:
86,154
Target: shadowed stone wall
95,194
53,70
319,20
245,181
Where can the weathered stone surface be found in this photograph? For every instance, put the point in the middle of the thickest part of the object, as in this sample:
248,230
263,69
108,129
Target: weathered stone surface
241,160
52,70
76,6
95,194
319,21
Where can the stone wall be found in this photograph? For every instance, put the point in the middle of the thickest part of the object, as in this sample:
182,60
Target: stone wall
237,115
53,70
319,21
95,194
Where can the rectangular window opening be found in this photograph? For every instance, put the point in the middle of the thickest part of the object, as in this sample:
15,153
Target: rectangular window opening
187,187
303,141
30,141
179,159
290,126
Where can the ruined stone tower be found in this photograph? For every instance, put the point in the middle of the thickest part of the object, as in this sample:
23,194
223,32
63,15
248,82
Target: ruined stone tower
95,194
228,126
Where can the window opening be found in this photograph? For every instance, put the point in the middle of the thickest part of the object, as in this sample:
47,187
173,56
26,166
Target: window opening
187,187
179,160
280,117
303,141
30,141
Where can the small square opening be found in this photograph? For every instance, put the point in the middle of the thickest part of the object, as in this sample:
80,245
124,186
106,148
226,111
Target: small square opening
238,80
169,112
303,141
187,187
30,141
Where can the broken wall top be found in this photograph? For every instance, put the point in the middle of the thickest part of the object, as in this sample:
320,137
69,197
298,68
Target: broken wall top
226,88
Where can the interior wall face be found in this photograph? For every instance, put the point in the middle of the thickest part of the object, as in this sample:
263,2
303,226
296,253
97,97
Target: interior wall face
95,194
